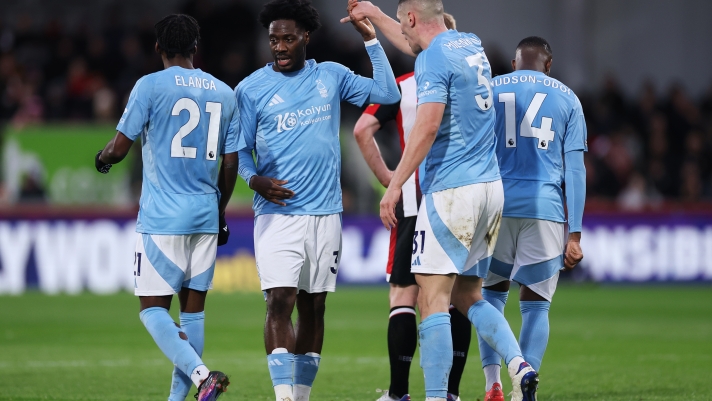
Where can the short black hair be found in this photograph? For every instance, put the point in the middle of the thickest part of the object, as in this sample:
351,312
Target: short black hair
300,11
536,41
177,34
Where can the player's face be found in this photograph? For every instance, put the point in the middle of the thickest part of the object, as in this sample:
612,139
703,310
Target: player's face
288,43
406,18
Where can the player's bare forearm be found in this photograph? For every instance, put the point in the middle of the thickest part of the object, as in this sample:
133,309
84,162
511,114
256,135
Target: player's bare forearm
364,130
117,149
227,178
425,129
389,27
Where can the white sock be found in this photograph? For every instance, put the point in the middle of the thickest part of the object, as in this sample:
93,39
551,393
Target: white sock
513,365
283,392
491,376
301,392
435,399
280,351
199,374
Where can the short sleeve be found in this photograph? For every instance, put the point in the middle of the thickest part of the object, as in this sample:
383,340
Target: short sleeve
233,137
383,112
432,77
576,137
246,119
135,117
353,88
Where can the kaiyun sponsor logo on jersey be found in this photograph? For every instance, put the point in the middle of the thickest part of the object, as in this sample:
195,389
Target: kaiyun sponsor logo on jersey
313,114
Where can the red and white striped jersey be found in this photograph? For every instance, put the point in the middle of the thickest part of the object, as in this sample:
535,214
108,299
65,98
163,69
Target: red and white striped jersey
403,113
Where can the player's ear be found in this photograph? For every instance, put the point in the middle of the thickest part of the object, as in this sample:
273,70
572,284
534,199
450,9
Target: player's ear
514,65
411,19
157,48
306,38
547,66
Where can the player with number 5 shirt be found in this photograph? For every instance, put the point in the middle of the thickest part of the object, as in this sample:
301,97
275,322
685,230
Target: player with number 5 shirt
459,217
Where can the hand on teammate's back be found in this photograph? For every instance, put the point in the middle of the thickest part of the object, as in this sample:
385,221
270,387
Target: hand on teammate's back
223,231
573,254
271,189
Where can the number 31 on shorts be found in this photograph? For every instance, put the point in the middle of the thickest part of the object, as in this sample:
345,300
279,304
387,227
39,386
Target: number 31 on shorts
417,234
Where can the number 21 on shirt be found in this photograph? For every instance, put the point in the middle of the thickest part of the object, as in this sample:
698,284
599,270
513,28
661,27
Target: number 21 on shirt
212,108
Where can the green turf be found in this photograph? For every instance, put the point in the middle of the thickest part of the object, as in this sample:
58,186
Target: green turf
607,343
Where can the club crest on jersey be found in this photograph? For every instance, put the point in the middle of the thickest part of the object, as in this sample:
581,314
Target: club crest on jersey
286,122
321,88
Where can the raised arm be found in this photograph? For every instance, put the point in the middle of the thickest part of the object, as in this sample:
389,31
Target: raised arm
383,88
388,26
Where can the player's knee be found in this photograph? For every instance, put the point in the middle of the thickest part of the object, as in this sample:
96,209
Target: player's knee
404,296
280,302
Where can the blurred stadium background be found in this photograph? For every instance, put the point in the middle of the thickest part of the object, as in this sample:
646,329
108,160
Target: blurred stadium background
640,67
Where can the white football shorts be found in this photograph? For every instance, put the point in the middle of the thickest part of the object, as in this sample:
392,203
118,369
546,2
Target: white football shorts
163,264
298,251
530,252
457,229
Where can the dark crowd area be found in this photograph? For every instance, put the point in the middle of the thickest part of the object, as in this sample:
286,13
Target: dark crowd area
645,152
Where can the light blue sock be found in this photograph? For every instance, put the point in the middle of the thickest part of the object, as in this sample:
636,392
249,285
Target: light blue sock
535,331
167,336
281,368
436,353
305,368
494,329
193,325
497,299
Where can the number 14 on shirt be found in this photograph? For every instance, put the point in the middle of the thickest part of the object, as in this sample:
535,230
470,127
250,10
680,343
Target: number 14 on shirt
527,129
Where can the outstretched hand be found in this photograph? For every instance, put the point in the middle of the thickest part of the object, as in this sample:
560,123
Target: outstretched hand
271,189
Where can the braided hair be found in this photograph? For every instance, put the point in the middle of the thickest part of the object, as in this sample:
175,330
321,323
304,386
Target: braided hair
300,11
177,34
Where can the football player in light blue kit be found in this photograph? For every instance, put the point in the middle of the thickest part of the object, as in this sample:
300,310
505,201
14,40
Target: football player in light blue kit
289,118
541,138
459,219
186,119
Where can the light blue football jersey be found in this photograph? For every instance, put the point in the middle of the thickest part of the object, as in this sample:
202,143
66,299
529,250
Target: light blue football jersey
291,121
538,120
454,70
186,120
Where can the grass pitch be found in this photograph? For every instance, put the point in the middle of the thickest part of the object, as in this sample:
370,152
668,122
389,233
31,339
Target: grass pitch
607,343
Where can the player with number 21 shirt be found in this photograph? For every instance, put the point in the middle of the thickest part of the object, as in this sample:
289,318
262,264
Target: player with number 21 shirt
186,120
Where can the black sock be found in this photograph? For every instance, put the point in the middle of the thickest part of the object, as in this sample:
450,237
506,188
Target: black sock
402,340
461,335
